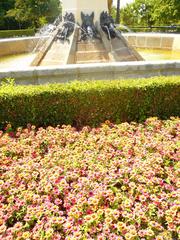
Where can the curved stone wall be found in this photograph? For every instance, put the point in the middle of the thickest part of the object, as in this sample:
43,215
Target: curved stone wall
95,71
154,40
11,46
141,40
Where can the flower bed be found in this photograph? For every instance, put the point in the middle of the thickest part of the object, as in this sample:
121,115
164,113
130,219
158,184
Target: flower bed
113,182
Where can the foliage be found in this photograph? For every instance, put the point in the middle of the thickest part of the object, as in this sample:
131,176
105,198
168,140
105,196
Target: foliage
15,33
166,12
28,13
113,13
129,16
112,182
7,82
4,21
151,12
141,11
34,10
90,103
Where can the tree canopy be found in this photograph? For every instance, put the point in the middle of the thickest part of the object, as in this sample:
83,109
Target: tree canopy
28,13
151,12
4,7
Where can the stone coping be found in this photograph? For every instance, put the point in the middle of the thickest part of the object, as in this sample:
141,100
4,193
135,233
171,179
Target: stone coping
153,34
19,39
124,34
95,71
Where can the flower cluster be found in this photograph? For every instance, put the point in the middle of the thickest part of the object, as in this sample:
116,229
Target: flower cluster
114,182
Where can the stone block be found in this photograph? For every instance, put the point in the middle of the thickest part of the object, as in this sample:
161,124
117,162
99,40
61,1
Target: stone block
90,47
176,43
132,40
141,42
167,42
153,42
86,56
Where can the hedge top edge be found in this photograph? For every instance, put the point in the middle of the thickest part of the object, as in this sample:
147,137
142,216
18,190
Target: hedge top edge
88,85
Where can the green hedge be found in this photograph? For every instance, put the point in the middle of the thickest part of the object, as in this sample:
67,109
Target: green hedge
17,33
90,103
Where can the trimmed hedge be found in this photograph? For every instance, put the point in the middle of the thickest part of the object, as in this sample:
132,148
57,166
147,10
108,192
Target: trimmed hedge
17,33
90,103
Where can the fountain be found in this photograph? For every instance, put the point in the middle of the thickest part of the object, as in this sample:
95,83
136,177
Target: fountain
85,45
87,34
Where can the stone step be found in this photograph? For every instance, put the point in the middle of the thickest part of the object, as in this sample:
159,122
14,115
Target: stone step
94,41
89,46
92,61
91,55
51,63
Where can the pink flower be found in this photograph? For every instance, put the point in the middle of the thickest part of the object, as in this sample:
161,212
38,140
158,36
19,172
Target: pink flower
110,182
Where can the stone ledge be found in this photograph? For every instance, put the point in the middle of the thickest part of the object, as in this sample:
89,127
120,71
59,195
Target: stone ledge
95,71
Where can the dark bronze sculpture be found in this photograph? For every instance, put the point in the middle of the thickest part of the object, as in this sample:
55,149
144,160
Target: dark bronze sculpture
108,25
68,27
88,29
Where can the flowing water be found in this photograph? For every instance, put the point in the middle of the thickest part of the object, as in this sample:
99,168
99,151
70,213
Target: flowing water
18,61
158,54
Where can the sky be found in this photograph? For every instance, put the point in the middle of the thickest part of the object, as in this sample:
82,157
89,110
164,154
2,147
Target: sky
122,2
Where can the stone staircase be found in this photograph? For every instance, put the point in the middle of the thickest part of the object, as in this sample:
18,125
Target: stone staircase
91,52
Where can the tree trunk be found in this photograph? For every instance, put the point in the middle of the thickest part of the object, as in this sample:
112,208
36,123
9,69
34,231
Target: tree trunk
110,5
118,12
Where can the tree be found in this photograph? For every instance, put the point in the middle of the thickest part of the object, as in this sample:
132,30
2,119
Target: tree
5,22
118,12
34,12
129,15
143,10
151,12
166,12
110,5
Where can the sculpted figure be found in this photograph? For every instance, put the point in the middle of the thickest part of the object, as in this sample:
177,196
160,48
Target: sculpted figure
88,27
68,27
107,25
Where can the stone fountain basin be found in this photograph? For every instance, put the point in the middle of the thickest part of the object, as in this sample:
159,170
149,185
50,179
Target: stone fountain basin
93,71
